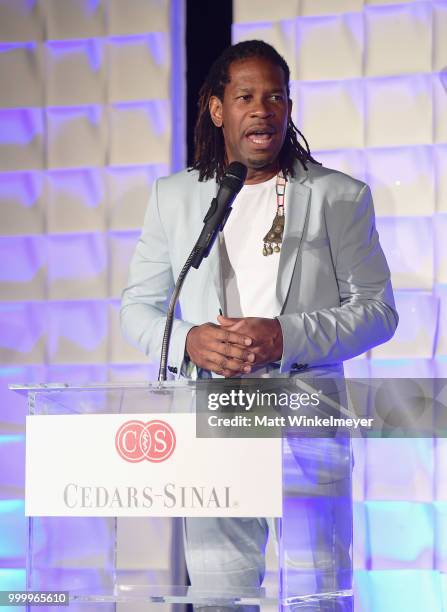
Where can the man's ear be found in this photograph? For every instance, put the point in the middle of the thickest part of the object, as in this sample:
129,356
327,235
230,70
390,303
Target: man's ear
290,108
215,108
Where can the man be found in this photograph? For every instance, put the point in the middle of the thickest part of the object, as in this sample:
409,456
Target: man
299,276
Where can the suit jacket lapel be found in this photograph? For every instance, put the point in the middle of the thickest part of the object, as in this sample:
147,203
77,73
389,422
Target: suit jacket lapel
207,193
296,210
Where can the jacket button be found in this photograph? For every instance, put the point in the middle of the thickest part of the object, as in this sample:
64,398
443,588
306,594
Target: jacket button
299,366
172,369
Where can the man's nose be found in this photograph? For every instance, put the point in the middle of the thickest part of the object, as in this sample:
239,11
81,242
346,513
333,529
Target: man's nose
261,109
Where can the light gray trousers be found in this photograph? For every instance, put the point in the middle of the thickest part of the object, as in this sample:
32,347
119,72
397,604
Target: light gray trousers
227,553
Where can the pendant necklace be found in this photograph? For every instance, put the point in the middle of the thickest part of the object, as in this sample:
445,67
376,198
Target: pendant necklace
273,238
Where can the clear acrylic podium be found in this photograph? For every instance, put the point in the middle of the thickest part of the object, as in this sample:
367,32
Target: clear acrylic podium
132,563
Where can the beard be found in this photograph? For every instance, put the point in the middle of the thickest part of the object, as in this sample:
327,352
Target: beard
258,164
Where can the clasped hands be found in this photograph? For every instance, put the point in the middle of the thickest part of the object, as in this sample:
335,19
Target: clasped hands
236,346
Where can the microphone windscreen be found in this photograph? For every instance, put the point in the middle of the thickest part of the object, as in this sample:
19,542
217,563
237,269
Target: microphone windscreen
235,175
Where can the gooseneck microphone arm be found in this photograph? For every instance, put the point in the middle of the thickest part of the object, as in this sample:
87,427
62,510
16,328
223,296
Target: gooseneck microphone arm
170,316
214,222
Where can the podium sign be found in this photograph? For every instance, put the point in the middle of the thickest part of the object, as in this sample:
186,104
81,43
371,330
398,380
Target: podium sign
146,465
98,452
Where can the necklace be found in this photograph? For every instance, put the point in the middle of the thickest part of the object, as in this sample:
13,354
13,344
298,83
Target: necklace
273,238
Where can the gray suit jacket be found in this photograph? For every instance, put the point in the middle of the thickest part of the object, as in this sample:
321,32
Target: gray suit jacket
333,291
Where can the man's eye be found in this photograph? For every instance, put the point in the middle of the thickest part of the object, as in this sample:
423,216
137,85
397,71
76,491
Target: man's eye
244,97
277,97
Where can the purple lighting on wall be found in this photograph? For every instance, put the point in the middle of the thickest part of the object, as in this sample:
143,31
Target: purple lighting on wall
92,5
156,42
26,256
22,325
24,188
91,49
156,112
76,256
20,126
93,114
9,47
443,78
83,323
81,185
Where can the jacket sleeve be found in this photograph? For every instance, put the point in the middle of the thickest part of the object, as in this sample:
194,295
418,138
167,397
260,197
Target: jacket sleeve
150,284
367,314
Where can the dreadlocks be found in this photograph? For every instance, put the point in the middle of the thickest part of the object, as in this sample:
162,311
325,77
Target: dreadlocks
209,156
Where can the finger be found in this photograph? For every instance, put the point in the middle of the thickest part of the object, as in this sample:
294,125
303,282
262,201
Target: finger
225,335
261,356
226,365
225,321
233,351
238,326
225,373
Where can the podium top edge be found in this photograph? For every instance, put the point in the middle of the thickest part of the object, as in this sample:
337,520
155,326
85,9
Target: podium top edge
46,387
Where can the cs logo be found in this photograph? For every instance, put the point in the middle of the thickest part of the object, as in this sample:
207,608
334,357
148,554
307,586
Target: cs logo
154,441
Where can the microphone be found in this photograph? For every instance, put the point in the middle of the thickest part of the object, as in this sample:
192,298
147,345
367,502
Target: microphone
219,210
214,221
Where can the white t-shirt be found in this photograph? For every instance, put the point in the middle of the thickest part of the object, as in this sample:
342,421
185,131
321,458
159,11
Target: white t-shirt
249,277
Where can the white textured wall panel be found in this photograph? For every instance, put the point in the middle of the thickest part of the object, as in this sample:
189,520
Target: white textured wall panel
22,275
330,47
22,196
22,145
418,322
77,266
402,180
21,20
440,106
77,137
149,55
121,248
441,344
398,111
77,332
128,194
265,10
138,16
74,19
120,351
385,2
23,333
410,478
409,248
399,549
349,161
280,34
139,133
440,158
85,128
440,492
76,200
440,241
441,536
330,114
439,37
131,373
398,39
76,73
360,543
402,367
329,7
26,60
